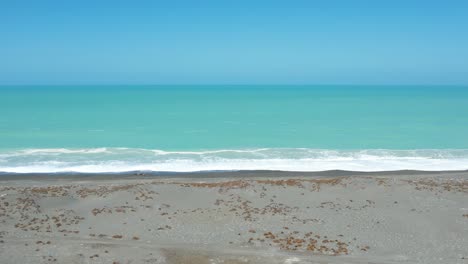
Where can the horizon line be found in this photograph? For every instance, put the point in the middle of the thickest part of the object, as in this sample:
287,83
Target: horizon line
224,84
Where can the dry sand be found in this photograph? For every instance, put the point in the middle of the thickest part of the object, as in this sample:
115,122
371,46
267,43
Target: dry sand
254,217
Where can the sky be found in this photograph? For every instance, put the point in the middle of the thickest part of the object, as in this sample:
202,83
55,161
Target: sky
234,42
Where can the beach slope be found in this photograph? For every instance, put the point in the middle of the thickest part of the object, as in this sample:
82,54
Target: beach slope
251,217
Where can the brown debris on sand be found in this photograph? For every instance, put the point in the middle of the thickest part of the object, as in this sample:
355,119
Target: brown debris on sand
223,186
448,185
293,241
311,184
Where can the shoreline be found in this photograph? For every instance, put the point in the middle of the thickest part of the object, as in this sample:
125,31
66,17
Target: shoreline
7,176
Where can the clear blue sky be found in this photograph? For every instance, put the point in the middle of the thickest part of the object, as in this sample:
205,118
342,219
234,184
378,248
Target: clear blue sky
234,42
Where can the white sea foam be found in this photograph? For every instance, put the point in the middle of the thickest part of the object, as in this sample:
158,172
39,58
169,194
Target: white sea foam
101,160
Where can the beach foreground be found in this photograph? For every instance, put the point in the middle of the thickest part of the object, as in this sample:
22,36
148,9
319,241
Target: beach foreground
250,217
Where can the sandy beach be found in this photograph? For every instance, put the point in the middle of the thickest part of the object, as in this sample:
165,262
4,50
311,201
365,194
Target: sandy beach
235,217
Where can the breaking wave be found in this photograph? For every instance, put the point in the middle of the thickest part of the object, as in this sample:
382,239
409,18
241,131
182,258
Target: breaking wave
115,160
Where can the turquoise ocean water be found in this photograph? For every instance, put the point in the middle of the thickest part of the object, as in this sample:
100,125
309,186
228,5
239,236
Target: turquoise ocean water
193,128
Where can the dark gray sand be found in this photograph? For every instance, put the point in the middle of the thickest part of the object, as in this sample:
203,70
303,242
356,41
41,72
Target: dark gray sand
236,217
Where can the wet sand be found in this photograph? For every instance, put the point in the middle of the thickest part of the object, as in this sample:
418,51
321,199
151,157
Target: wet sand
235,217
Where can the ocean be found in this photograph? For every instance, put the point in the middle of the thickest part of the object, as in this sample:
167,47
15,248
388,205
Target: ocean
94,129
